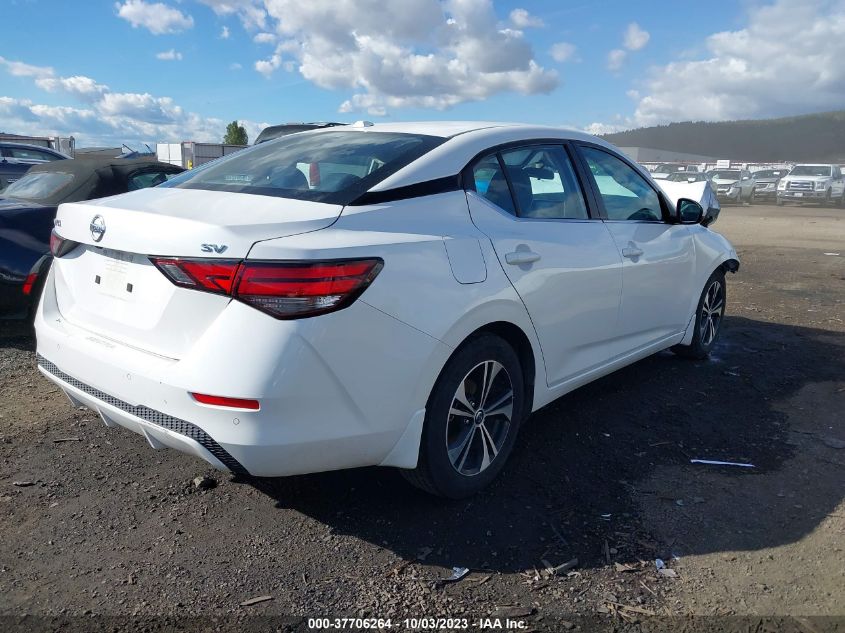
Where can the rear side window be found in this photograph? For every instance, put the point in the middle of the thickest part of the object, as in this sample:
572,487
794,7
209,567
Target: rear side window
334,167
544,183
25,153
147,179
490,182
626,195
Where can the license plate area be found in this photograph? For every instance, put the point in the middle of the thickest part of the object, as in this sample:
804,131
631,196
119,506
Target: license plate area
113,277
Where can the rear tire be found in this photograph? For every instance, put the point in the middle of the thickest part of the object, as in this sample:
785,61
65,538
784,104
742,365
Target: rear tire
472,419
708,318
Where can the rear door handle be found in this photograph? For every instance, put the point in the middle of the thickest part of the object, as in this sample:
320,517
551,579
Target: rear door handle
522,257
631,252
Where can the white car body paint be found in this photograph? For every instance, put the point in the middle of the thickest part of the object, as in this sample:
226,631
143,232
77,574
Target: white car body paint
350,388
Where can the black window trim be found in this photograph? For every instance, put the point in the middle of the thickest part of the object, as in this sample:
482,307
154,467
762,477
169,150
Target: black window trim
593,213
665,207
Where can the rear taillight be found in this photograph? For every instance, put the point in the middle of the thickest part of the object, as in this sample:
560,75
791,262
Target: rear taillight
60,246
284,290
291,290
210,275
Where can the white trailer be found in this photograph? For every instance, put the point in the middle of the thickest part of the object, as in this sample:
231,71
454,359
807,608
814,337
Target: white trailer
189,154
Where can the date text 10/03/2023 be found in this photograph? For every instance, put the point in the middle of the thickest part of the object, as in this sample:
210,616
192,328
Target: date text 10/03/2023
418,624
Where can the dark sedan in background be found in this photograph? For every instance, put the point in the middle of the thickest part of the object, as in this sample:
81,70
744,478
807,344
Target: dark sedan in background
766,183
28,208
17,158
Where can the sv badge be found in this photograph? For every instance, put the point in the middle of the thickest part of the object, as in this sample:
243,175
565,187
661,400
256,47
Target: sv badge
213,248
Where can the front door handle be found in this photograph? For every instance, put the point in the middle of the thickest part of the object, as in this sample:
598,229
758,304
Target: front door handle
522,257
631,252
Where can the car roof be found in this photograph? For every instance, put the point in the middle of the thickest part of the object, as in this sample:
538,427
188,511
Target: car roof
94,177
464,141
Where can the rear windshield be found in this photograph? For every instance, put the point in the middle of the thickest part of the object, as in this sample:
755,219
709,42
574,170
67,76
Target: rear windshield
38,185
334,167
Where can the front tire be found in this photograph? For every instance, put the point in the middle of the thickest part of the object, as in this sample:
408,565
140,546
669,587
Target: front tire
472,419
708,318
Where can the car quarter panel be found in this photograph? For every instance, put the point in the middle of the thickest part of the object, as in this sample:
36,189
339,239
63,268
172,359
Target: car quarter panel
410,235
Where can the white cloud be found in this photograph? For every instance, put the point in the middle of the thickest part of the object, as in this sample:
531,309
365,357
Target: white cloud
156,17
562,51
521,19
171,55
20,69
104,116
635,37
417,53
616,58
235,66
251,14
604,128
224,33
788,59
264,38
268,66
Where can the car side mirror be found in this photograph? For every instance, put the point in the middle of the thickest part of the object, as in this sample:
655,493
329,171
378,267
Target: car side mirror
689,211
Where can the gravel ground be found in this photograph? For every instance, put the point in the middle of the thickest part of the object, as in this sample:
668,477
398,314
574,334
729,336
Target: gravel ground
95,523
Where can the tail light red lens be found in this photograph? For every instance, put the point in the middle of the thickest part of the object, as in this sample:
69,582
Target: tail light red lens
223,401
60,246
292,290
210,275
29,283
284,290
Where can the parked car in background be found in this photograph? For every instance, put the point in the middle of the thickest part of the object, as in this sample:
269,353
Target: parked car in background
765,184
663,171
17,158
28,207
410,308
278,131
688,176
812,183
733,185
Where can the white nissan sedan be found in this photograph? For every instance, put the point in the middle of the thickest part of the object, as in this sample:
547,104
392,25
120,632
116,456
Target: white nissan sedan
397,294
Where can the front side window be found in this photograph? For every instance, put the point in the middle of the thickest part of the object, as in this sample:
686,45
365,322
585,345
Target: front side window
625,193
334,167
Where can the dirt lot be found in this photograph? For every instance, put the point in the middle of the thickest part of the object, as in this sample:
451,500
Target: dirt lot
111,527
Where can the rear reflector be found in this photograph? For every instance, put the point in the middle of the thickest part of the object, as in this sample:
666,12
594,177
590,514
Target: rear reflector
210,275
284,290
28,284
291,290
222,401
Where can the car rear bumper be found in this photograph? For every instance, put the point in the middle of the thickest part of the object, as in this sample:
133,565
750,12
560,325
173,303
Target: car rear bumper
336,391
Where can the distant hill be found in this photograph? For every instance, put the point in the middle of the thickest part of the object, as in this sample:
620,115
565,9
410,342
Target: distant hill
812,137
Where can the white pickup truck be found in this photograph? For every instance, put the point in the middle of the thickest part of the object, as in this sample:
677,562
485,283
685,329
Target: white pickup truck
812,183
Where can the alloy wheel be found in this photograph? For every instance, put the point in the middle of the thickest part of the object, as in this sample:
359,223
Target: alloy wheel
712,310
479,418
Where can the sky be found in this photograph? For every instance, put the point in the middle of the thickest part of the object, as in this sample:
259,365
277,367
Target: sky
133,71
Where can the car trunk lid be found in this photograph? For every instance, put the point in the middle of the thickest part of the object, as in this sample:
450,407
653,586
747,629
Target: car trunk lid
109,286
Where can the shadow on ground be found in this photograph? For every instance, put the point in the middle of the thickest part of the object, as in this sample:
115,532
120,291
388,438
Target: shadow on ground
573,483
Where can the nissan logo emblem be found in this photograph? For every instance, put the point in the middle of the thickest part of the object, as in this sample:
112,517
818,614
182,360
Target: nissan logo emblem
98,228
